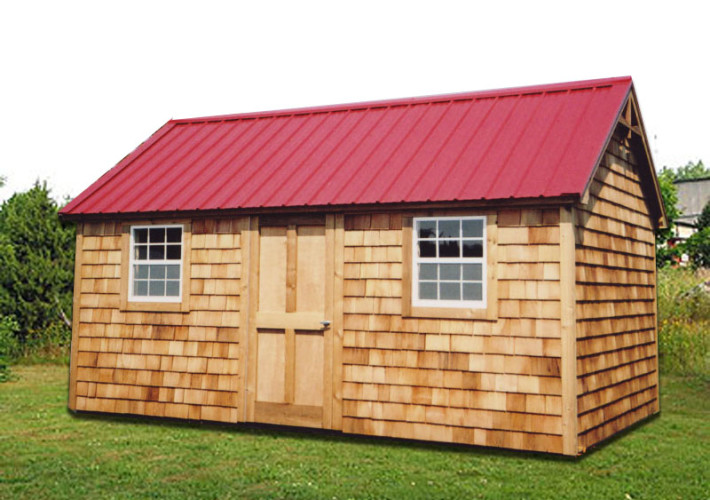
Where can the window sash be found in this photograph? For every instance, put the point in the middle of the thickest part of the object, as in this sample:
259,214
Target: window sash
133,262
417,260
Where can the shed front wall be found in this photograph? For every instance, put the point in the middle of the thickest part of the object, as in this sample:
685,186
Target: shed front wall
492,383
617,351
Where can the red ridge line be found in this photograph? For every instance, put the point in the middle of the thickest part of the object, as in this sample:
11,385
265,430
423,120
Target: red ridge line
409,101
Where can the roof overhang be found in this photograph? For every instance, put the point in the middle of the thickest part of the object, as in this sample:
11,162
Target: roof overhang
507,203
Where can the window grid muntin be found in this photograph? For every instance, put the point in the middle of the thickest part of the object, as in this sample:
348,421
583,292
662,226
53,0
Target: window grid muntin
438,261
154,264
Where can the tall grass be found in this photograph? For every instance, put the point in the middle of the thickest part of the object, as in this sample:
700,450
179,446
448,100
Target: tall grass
684,322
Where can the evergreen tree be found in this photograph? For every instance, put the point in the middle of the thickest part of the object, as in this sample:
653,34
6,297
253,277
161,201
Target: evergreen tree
36,268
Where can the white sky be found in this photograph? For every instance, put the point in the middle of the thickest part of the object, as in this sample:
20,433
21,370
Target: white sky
84,83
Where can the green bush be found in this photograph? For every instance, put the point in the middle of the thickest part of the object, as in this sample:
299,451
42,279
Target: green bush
698,248
36,270
684,322
9,346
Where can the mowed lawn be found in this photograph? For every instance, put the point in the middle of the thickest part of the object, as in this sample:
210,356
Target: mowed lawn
45,452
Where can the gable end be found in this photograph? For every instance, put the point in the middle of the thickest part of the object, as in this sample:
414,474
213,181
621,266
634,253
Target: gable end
630,130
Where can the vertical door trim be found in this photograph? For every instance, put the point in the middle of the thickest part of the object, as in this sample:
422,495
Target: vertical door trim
244,241
253,302
328,334
337,325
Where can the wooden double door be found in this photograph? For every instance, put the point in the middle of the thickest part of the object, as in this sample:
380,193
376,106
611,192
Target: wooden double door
290,345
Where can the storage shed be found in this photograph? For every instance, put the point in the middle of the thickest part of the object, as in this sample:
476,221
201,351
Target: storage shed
472,268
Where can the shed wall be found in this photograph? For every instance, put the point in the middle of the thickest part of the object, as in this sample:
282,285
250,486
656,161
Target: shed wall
491,383
617,363
485,382
168,364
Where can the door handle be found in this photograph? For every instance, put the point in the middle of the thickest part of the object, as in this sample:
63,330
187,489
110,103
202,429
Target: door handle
325,323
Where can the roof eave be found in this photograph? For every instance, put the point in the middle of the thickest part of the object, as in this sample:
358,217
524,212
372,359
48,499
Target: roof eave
565,199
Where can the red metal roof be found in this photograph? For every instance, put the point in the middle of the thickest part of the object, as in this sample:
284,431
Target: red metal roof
541,141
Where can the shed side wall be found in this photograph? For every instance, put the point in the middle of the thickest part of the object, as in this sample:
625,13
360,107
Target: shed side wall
617,363
491,383
170,364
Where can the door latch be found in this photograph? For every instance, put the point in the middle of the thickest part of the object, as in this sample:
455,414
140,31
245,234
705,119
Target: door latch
325,323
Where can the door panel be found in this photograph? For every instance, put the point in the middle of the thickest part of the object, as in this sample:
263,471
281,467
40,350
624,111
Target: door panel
293,372
308,388
272,269
271,366
310,270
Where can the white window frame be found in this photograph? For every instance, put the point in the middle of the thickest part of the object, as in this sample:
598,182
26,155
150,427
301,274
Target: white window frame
132,262
416,260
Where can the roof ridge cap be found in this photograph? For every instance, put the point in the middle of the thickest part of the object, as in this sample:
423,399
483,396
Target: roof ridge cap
410,101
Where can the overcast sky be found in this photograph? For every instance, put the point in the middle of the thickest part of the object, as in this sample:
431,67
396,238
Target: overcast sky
84,83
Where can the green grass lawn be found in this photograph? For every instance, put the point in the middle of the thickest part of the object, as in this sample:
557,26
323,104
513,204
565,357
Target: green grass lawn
45,452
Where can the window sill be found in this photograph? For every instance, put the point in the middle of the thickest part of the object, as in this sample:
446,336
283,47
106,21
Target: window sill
487,314
182,307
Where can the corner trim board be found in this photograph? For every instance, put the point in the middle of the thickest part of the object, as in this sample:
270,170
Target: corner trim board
76,306
568,305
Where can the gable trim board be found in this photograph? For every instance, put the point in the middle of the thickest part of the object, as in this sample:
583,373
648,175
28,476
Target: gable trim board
630,118
559,360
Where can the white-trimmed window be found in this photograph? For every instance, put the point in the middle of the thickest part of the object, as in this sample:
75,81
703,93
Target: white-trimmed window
156,267
449,262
